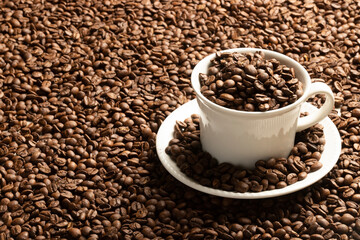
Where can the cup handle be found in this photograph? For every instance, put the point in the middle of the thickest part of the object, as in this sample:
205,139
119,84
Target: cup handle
312,119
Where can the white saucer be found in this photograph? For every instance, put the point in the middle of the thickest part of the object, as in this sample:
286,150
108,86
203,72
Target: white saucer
329,156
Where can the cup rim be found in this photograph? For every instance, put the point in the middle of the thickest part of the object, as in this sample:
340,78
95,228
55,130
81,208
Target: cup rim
277,55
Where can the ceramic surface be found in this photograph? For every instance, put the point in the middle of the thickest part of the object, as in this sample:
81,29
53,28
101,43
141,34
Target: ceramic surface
329,157
241,137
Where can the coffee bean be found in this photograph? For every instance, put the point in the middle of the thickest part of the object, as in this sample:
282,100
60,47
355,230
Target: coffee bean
342,229
291,178
226,97
272,177
249,107
213,70
347,219
302,175
356,198
250,69
281,184
316,166
357,224
229,83
23,236
75,232
70,124
241,187
85,231
256,186
316,237
263,76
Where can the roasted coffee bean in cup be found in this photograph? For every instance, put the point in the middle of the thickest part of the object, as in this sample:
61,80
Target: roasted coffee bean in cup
250,82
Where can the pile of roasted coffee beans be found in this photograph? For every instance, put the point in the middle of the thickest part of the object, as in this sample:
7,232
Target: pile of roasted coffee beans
268,174
250,82
85,85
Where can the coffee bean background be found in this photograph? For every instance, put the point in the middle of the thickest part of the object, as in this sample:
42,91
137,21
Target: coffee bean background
85,86
186,151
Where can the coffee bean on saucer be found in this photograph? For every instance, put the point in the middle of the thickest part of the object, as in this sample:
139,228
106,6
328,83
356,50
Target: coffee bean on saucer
274,173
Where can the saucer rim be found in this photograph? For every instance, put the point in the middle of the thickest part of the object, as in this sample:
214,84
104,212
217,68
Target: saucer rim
332,148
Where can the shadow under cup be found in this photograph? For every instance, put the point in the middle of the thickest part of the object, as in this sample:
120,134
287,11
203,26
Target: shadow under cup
241,137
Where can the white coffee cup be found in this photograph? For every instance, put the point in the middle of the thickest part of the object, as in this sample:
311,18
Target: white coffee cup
241,137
